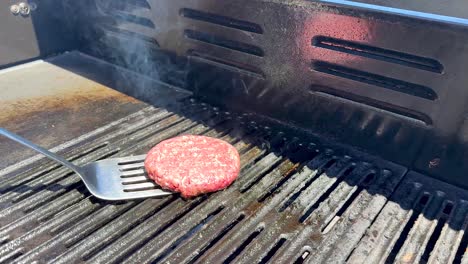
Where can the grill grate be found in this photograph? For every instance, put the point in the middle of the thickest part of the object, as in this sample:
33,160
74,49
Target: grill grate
297,199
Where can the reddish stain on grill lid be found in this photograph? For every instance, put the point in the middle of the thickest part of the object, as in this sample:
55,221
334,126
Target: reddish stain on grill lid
193,165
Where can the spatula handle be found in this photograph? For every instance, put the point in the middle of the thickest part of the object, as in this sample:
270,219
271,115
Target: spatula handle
39,149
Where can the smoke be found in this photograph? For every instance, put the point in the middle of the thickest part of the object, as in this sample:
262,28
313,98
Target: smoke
125,37
125,33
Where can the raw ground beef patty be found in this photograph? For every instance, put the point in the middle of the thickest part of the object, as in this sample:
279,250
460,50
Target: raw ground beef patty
193,165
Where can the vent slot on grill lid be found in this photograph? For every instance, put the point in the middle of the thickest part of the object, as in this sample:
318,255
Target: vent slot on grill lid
372,52
130,18
124,4
221,20
224,42
375,79
415,115
125,35
241,68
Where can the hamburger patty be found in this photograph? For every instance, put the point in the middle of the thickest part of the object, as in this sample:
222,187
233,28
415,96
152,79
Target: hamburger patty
193,165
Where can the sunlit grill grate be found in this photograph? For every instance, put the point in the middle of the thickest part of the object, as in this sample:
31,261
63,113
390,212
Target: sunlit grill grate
296,199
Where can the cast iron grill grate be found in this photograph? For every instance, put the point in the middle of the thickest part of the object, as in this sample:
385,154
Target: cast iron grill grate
298,198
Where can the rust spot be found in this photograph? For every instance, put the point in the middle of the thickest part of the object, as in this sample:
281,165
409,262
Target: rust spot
289,222
253,208
250,155
316,236
291,170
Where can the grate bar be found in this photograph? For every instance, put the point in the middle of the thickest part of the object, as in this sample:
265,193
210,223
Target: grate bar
446,247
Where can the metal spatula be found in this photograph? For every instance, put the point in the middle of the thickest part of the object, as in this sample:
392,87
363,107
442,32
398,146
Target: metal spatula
109,179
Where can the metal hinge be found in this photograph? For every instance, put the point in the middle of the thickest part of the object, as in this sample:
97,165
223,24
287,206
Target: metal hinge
23,8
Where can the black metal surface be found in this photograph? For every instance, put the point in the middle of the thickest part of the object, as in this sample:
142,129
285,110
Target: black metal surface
383,80
298,198
43,32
